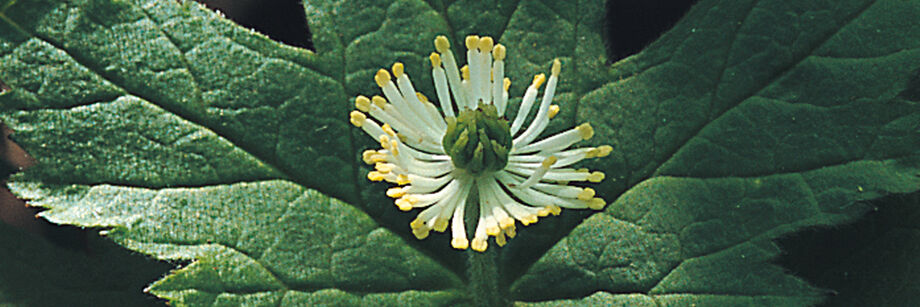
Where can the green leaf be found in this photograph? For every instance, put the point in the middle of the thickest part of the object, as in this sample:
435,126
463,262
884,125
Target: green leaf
737,139
274,239
184,136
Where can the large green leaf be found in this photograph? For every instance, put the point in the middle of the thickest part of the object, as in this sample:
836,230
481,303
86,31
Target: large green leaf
275,242
184,136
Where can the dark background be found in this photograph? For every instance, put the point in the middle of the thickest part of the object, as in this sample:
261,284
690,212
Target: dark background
845,260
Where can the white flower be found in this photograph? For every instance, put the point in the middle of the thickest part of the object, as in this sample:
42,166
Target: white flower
437,160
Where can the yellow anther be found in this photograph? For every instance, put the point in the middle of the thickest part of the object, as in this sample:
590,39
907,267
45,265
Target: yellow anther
486,43
380,102
460,243
465,72
506,222
479,244
382,77
368,156
402,180
435,60
357,118
592,153
586,194
417,224
543,212
603,151
549,161
506,84
597,203
585,131
398,69
441,44
498,52
378,158
529,219
510,232
596,177
403,205
421,233
493,230
500,239
421,97
538,80
396,192
375,176
553,110
384,141
389,130
363,103
394,147
555,210
557,66
472,41
440,224
384,168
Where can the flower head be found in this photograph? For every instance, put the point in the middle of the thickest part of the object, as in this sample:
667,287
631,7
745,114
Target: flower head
437,158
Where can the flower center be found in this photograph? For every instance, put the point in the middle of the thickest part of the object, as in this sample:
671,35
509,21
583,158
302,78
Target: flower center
478,140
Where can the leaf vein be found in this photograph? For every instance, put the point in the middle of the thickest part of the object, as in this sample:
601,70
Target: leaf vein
780,72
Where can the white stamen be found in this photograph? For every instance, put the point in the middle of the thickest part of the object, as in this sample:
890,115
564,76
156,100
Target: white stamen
428,169
424,184
440,85
498,77
458,229
403,108
568,174
417,107
425,200
559,141
466,87
409,128
474,61
529,97
439,122
538,173
526,214
479,243
538,198
453,71
485,69
542,119
372,128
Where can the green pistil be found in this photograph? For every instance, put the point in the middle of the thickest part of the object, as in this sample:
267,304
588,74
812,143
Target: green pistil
478,140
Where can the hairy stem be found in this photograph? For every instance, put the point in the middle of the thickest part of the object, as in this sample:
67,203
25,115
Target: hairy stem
482,267
484,280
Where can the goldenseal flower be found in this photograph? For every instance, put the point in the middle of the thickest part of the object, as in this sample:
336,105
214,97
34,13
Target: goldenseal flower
438,157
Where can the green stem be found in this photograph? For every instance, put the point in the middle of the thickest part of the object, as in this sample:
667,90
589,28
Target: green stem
483,276
482,267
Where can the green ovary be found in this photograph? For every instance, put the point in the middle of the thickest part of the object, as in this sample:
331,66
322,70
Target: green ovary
478,140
